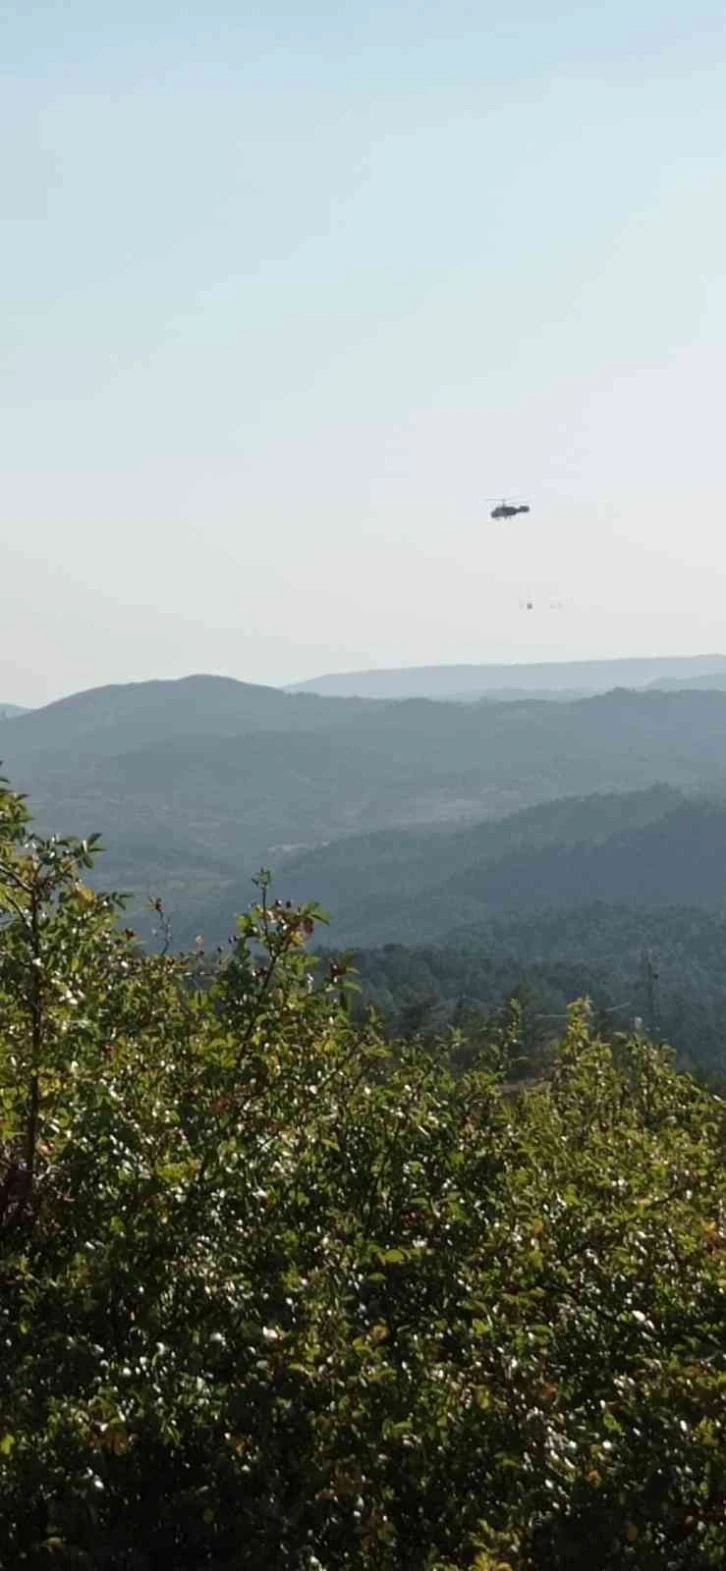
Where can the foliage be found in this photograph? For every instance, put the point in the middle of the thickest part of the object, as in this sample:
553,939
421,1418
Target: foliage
272,1295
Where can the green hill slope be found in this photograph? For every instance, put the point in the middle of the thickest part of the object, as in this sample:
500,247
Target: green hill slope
545,958
106,721
634,850
351,877
198,782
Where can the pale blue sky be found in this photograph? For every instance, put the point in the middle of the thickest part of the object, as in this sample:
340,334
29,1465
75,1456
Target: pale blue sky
292,289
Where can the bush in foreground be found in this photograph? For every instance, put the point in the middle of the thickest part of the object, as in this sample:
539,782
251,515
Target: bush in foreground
272,1296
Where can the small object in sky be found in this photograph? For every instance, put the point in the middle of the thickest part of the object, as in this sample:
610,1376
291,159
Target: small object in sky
509,508
553,605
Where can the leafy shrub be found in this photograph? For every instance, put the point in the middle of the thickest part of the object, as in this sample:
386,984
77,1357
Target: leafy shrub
272,1295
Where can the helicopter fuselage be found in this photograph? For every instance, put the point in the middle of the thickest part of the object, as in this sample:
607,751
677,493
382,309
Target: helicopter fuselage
507,510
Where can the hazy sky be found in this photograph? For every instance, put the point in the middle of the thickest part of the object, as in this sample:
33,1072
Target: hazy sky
294,287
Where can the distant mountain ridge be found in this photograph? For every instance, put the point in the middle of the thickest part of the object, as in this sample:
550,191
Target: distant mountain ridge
195,784
581,678
534,844
117,718
11,711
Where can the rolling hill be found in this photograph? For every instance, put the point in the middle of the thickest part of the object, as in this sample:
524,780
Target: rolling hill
551,679
651,848
103,722
195,783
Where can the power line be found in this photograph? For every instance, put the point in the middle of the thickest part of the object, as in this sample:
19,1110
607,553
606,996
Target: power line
565,1014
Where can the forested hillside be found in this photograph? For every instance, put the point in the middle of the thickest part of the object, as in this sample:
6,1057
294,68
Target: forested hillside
619,897
651,845
196,783
666,966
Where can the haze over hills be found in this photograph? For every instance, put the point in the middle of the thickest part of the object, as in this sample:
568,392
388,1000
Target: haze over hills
194,784
579,678
648,848
106,721
710,681
555,838
559,901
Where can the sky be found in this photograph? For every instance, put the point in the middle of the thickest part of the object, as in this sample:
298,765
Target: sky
294,289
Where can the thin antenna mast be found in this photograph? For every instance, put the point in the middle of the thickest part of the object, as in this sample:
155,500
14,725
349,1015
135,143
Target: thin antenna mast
652,974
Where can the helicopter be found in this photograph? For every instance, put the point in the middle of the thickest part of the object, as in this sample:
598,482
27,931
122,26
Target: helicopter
508,509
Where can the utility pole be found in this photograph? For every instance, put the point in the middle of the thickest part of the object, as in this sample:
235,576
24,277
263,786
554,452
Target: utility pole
652,974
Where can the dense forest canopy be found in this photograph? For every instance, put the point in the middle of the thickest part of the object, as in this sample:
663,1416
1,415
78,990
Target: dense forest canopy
278,1291
664,967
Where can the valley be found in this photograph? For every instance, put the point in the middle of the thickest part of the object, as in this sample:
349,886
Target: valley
520,830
